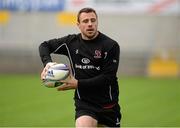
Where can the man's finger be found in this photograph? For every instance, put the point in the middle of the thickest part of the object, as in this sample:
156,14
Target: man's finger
64,81
63,87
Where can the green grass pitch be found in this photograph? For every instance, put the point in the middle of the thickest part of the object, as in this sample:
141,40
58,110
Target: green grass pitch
145,102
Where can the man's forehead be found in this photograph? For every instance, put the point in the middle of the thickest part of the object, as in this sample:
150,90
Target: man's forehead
88,15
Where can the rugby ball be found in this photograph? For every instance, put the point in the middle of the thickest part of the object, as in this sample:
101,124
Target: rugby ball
56,73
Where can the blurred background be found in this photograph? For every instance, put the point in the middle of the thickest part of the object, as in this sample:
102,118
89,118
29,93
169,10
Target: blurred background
148,32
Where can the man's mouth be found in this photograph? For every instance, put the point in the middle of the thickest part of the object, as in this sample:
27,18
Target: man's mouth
90,30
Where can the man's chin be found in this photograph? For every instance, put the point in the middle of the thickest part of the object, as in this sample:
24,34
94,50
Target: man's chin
91,35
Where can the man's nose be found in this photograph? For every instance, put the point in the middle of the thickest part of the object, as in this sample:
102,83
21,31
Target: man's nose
89,23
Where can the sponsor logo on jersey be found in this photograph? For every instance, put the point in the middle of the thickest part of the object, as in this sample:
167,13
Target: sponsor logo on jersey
89,67
85,60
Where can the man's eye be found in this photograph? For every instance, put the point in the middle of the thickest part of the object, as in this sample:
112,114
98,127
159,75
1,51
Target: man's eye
93,20
85,21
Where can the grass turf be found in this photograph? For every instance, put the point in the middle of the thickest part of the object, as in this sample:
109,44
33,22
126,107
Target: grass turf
145,102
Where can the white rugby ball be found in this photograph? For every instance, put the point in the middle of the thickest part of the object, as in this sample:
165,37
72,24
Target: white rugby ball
56,73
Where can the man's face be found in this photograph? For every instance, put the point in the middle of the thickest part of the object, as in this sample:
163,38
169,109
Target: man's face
88,25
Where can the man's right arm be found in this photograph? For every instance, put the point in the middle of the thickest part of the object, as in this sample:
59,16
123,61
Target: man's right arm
53,46
46,48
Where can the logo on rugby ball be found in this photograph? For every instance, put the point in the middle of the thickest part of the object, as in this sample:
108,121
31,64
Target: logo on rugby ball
50,73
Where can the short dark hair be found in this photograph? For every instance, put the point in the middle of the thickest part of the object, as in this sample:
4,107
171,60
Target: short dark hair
86,10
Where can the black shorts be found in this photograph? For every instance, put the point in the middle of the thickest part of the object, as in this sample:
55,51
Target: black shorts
106,116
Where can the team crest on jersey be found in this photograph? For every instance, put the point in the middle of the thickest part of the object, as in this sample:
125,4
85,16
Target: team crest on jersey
97,54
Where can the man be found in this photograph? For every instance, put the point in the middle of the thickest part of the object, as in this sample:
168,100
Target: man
94,60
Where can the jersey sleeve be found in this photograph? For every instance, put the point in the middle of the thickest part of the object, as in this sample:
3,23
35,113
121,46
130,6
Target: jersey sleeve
108,70
52,46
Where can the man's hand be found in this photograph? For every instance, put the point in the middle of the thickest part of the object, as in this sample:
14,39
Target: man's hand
44,72
70,83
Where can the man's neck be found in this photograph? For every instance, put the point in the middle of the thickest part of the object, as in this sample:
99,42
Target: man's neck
86,38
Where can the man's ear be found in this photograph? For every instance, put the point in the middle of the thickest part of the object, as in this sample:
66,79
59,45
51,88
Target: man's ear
77,24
